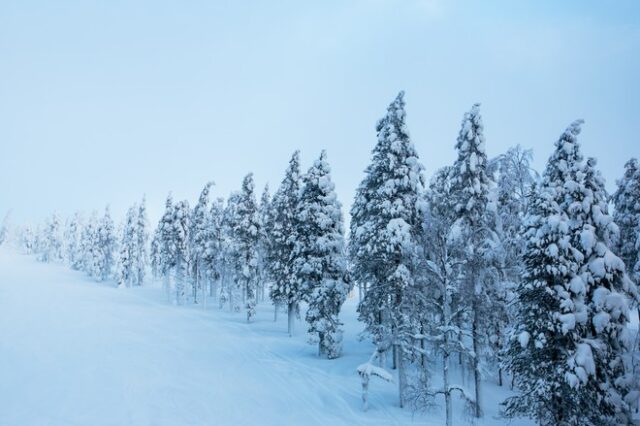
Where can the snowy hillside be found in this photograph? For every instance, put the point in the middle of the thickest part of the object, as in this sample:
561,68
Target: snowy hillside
74,352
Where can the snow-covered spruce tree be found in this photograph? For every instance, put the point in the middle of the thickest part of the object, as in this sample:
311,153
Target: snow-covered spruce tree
51,249
212,256
284,290
440,300
27,239
567,346
265,221
319,262
475,224
142,240
385,228
164,254
198,242
105,244
246,234
231,290
128,250
154,254
72,241
88,245
180,239
627,216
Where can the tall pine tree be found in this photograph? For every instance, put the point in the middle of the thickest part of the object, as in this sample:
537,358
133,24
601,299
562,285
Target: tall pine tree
385,230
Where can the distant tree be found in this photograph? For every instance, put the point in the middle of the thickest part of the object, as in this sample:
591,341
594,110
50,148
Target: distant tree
72,235
198,242
246,233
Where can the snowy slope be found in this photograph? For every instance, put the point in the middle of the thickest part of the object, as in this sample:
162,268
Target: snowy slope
74,352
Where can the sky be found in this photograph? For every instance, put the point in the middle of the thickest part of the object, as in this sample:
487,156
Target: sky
104,101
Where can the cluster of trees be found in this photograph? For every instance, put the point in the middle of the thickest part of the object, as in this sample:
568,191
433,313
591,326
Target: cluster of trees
93,244
502,269
238,251
516,276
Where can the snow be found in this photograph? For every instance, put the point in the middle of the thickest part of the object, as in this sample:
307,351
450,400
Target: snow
75,352
523,339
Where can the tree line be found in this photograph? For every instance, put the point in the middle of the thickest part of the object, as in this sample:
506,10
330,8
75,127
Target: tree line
524,278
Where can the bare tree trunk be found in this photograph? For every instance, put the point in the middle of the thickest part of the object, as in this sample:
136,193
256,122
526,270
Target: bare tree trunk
275,312
291,311
447,391
476,362
402,374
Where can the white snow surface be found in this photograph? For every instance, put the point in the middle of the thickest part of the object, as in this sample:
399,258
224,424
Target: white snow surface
75,352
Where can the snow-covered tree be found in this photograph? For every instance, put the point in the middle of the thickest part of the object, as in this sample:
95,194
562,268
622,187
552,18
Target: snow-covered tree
284,290
164,246
441,304
72,236
319,260
198,242
28,239
246,233
475,225
627,216
89,246
142,240
231,289
568,343
4,228
128,250
179,239
515,181
385,227
265,220
51,249
213,255
104,247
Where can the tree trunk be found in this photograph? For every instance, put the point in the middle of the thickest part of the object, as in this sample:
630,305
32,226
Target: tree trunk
476,362
447,391
275,312
395,358
402,375
291,311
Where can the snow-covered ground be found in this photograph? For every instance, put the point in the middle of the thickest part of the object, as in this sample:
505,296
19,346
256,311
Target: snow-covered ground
74,352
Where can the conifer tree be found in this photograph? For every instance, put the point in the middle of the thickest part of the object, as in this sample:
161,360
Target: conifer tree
104,247
142,240
476,225
179,239
247,233
385,229
51,249
72,241
319,259
569,340
265,221
231,289
284,290
198,235
212,257
128,250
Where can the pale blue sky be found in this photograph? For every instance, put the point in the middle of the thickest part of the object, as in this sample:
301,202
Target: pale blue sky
101,102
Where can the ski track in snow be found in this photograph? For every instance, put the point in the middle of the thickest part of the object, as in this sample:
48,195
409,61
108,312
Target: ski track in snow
76,352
